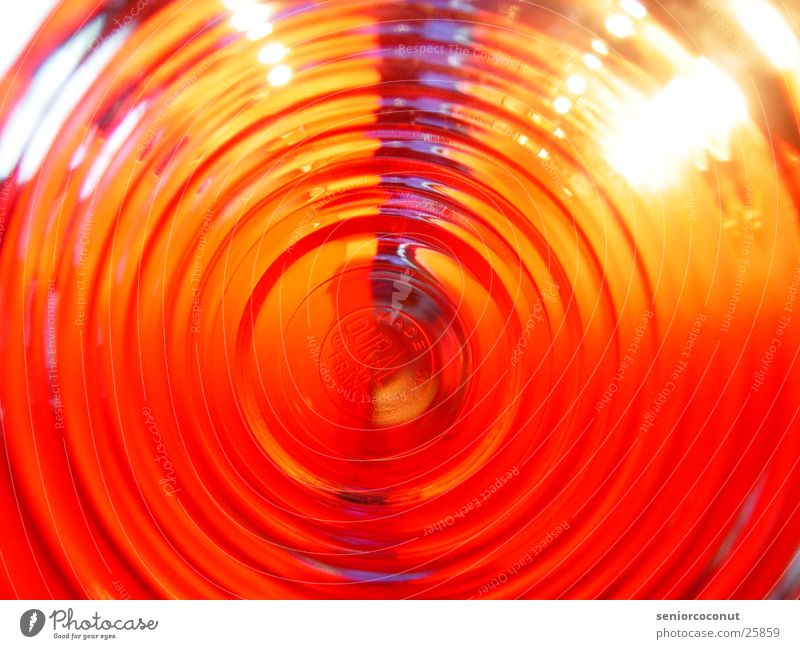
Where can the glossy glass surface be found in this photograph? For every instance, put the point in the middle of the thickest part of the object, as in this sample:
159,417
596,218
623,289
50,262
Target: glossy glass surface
401,299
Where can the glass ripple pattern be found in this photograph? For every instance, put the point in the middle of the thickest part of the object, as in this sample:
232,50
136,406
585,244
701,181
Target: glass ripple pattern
423,299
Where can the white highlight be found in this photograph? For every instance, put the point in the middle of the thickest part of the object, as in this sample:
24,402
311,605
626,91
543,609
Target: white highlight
692,117
259,31
634,9
250,16
17,27
29,113
110,148
272,54
233,5
592,62
562,105
64,103
619,26
280,75
576,84
769,31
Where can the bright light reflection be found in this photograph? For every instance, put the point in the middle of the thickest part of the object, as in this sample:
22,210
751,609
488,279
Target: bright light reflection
619,26
576,84
280,75
692,117
259,31
592,62
272,54
110,148
562,105
31,111
770,32
250,17
53,118
634,8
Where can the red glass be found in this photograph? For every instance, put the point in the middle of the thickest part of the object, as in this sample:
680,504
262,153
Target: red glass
422,299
